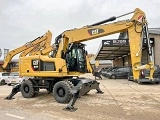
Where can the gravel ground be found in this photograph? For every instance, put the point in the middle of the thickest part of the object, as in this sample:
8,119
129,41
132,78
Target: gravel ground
122,100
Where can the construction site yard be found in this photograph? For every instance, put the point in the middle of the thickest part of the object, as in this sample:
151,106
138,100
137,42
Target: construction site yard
122,100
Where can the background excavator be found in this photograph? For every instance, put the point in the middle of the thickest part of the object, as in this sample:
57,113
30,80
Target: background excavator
57,73
89,58
93,69
30,48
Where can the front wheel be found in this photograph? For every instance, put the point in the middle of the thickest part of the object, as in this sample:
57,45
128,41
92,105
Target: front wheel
27,89
113,77
61,92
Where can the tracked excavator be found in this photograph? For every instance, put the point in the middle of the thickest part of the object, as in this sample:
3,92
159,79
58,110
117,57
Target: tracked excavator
58,73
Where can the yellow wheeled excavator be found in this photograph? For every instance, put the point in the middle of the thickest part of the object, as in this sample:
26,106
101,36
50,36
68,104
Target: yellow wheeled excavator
58,73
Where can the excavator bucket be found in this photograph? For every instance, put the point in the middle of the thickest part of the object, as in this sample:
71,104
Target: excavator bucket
83,86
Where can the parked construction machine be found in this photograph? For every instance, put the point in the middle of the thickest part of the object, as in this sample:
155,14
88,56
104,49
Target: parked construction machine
31,48
58,73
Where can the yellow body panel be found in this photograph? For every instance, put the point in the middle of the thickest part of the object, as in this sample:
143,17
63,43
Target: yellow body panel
60,71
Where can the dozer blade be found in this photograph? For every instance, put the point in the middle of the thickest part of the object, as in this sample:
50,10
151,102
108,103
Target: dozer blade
82,87
15,89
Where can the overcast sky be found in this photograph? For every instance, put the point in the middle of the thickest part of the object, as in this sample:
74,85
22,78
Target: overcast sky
24,20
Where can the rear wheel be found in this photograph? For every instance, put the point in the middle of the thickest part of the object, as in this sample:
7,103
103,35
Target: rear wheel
61,91
27,89
2,82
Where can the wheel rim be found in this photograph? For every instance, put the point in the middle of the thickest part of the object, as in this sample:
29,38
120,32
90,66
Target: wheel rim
113,77
26,89
61,92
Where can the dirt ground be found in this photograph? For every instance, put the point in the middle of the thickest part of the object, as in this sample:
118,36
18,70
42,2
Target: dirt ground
122,100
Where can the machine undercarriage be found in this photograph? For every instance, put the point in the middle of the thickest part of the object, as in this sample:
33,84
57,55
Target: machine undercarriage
64,91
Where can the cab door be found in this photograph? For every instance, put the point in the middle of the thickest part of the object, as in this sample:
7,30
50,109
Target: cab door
81,60
76,59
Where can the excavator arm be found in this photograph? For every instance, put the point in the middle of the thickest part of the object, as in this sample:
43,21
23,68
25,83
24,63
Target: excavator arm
29,46
71,52
40,47
98,30
134,26
36,49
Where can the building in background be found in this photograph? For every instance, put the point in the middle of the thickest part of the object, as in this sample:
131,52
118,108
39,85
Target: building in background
102,63
118,50
5,52
154,34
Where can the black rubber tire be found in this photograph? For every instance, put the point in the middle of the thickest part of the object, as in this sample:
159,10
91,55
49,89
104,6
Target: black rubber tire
61,92
9,84
2,82
70,83
113,77
27,89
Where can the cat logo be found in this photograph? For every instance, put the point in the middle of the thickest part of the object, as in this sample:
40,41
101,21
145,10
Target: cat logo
35,62
35,65
95,31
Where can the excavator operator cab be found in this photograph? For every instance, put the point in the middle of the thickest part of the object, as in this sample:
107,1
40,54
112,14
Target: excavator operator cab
75,58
